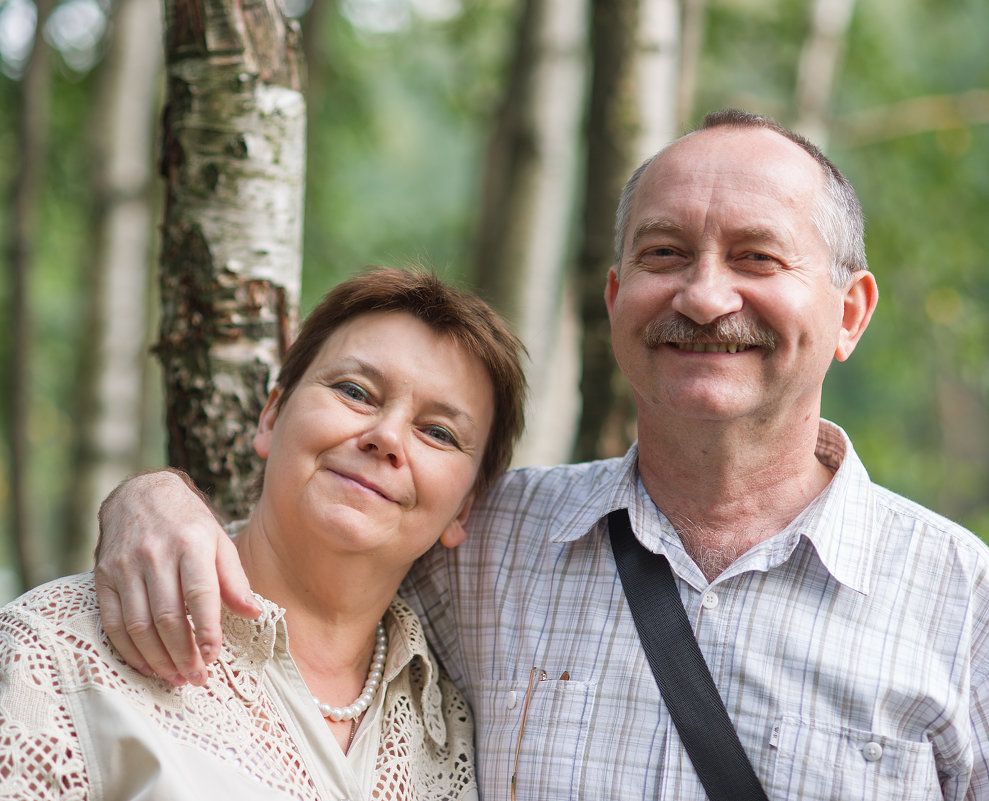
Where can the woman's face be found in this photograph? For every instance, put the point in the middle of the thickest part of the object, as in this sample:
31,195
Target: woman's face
377,448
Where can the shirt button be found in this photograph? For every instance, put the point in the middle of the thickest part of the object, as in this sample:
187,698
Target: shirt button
710,600
512,700
872,752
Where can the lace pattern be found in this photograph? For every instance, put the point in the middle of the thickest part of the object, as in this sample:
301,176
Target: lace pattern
427,732
51,643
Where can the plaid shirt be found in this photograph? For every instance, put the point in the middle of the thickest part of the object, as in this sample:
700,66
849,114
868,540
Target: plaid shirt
851,649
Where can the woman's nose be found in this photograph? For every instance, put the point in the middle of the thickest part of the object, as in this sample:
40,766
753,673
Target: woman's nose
384,436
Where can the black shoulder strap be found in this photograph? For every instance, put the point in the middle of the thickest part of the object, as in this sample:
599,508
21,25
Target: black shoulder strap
678,665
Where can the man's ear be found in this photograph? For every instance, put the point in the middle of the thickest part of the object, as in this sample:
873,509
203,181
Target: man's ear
266,424
861,297
611,291
455,533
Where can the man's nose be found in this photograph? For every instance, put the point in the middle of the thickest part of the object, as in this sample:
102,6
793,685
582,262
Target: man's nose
707,291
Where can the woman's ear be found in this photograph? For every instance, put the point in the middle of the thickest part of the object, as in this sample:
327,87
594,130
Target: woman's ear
266,424
861,297
455,533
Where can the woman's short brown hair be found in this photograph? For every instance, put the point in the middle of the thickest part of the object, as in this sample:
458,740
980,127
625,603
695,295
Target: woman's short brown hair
458,314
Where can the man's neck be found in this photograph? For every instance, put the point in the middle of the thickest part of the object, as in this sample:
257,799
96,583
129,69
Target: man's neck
728,487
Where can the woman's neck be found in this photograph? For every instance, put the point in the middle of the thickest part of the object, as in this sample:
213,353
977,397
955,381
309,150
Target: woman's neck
332,609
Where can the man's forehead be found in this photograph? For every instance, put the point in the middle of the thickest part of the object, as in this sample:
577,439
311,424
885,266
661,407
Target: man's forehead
735,148
749,160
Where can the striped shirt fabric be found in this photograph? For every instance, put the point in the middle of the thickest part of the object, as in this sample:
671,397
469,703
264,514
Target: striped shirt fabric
851,649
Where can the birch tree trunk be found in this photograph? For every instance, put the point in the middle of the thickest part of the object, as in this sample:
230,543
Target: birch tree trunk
111,410
525,243
32,136
632,113
233,161
820,61
694,14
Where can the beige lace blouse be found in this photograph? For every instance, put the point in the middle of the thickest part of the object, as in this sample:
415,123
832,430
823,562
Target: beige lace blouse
77,723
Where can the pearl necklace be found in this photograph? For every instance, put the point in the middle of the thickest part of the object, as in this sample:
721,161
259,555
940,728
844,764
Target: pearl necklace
374,674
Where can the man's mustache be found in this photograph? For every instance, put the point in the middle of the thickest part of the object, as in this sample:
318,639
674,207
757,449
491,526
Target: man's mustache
731,329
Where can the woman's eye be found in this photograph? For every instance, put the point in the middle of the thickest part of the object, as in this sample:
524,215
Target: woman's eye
442,434
353,391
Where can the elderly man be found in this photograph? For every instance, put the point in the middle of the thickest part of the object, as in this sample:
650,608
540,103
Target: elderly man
845,627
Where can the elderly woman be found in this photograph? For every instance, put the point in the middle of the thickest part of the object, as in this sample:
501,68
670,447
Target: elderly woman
399,402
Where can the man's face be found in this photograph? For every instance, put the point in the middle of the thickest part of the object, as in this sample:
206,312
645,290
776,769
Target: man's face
723,307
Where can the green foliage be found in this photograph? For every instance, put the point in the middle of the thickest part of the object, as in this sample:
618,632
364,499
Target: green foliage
914,399
398,126
55,286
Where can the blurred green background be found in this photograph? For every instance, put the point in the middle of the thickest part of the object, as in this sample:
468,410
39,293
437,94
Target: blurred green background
407,90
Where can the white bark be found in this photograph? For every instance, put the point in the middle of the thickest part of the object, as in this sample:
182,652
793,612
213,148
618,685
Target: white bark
819,64
657,69
233,158
253,218
112,439
691,46
542,222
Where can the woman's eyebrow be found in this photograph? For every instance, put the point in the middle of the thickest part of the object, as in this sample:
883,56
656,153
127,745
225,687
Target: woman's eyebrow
358,365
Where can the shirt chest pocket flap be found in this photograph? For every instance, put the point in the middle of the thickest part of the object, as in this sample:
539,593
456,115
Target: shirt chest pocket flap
823,762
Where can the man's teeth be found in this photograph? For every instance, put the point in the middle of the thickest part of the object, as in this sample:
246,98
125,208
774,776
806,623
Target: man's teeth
712,347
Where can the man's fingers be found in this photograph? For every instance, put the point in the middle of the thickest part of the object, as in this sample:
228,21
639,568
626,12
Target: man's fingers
157,561
194,646
172,638
128,621
234,586
113,623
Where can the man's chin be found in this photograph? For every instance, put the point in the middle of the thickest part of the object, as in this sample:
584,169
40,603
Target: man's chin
713,404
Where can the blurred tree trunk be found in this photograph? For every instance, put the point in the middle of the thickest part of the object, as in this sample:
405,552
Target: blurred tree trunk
32,138
632,115
233,161
963,424
691,47
110,402
820,61
528,208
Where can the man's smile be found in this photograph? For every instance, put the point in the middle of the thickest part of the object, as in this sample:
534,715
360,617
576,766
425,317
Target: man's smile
712,347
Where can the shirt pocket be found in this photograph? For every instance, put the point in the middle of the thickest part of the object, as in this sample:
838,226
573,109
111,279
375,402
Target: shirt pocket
553,739
830,763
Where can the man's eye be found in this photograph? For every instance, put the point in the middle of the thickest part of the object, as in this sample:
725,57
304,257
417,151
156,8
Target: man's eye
661,252
661,257
759,262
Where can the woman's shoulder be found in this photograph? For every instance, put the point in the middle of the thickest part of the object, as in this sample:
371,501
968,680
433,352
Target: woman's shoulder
55,603
37,631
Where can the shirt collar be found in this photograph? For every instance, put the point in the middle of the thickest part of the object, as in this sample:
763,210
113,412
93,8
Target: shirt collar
839,523
615,489
407,643
252,644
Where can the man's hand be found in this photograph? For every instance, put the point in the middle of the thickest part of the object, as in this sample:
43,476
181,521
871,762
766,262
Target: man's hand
162,555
